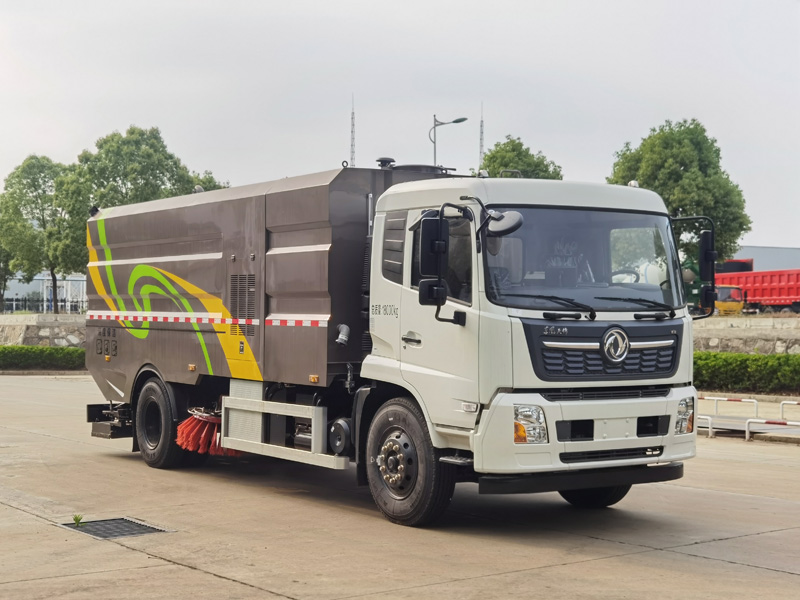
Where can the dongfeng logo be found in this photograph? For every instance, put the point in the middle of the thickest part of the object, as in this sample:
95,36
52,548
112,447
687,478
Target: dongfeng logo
616,345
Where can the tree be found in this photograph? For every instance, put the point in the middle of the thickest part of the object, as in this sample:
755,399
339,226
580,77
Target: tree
33,225
513,154
682,164
125,169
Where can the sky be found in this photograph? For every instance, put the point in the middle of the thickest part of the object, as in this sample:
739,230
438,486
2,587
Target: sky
260,90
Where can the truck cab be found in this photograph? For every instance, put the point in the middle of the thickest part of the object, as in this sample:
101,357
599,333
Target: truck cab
561,349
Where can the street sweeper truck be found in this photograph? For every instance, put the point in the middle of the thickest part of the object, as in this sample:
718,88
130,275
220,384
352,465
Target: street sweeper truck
424,328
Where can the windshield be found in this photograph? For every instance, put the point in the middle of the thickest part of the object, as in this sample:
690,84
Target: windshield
729,294
618,261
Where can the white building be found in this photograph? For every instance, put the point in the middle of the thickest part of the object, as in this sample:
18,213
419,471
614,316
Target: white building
771,258
37,296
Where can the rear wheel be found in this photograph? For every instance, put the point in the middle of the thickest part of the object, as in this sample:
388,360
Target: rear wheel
156,429
595,497
407,481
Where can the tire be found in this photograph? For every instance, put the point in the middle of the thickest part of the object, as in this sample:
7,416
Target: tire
596,497
156,429
419,487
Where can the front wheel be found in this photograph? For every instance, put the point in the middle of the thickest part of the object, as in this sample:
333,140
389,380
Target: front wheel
407,481
156,429
595,497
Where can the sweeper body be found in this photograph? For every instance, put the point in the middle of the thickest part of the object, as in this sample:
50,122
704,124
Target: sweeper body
426,328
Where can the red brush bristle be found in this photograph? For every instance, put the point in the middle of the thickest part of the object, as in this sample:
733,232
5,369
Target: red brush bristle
186,429
205,438
214,449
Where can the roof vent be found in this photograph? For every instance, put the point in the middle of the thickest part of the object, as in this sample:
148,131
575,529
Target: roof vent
385,162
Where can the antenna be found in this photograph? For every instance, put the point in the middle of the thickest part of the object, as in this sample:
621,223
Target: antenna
480,150
353,133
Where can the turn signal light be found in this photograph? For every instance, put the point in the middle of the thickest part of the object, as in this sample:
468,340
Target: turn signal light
520,437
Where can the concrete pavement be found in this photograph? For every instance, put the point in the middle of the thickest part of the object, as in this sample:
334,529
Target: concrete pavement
262,528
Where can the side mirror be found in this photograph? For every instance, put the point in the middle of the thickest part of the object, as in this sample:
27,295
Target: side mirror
503,223
432,293
708,297
434,234
708,255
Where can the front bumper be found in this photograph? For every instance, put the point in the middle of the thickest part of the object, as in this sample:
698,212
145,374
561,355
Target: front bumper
577,480
615,442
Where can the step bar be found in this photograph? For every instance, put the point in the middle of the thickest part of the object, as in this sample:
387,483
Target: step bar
244,428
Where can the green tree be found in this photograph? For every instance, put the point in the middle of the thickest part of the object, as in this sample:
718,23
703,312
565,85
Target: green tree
125,169
513,154
33,225
681,163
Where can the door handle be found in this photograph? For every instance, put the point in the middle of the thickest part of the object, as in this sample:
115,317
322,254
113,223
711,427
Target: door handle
408,339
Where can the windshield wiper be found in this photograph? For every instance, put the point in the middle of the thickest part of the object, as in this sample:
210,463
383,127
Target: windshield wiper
643,301
560,299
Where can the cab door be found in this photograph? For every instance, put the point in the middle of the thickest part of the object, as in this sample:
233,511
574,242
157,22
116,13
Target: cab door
440,359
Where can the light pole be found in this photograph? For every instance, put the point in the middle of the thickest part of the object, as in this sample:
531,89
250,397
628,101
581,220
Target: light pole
437,123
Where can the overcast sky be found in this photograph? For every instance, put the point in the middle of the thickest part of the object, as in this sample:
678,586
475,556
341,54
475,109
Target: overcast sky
255,91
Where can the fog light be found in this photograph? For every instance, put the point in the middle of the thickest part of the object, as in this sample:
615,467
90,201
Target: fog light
684,419
529,425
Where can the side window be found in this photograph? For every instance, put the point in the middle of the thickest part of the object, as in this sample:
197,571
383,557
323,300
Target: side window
393,239
458,277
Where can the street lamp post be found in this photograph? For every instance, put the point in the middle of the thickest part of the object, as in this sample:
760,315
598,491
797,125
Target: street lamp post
437,123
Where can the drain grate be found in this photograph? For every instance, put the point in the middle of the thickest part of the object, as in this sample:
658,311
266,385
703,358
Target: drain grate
113,528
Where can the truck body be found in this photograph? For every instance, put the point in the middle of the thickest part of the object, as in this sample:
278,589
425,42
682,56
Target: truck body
557,356
766,291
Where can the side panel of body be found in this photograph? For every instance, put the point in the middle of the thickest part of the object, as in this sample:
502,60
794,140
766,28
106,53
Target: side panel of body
159,287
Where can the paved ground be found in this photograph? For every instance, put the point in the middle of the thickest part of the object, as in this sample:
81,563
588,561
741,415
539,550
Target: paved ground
265,528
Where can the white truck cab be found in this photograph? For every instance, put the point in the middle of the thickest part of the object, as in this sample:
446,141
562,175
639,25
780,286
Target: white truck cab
560,356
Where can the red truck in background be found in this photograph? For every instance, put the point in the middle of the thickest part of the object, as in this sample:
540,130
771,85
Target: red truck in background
764,291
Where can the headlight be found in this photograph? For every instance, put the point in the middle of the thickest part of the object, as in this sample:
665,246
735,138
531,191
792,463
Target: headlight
529,425
684,419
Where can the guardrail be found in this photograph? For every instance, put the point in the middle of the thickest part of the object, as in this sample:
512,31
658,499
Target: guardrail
788,403
766,422
717,400
710,428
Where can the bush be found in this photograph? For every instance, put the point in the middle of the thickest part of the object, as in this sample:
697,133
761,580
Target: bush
51,358
753,373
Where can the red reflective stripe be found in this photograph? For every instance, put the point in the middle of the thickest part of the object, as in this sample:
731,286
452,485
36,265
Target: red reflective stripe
315,323
734,399
248,321
284,323
775,423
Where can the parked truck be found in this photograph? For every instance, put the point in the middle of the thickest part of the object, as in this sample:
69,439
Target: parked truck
426,328
764,291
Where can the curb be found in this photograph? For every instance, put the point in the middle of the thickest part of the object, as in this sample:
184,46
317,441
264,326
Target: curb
82,373
782,438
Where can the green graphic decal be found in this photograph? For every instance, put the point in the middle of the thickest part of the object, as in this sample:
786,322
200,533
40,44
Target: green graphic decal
166,289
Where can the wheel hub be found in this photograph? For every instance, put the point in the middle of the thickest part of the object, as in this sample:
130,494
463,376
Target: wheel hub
397,463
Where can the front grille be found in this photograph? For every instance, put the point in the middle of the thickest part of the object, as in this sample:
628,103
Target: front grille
605,394
577,363
619,454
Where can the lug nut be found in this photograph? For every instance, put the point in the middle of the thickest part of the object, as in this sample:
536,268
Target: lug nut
396,448
383,469
386,478
401,468
400,457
